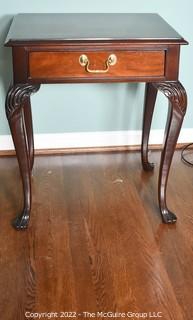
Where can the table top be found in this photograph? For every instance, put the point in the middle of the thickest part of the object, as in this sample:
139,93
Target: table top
65,27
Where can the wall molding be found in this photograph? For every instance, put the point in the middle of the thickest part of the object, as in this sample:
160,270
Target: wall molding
94,139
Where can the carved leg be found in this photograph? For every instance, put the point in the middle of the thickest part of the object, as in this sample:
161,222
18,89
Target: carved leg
15,102
29,130
149,103
176,94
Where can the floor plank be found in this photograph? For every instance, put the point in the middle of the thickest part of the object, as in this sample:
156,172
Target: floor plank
95,241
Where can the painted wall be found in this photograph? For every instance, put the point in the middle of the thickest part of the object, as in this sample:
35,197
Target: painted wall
97,107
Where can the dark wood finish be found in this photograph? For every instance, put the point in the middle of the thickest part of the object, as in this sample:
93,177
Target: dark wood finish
56,28
101,247
172,63
29,130
66,64
176,94
149,103
21,63
46,49
21,130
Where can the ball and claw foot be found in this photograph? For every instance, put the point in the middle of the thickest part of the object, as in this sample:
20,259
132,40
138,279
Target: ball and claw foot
148,166
168,217
21,222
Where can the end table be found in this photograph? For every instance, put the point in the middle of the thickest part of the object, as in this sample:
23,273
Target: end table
79,48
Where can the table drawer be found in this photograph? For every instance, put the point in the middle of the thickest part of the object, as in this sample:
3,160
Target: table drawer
61,65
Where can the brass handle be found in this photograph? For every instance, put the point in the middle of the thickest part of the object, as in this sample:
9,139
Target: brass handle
84,62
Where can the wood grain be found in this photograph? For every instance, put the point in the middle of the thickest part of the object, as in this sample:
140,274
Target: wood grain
95,241
66,64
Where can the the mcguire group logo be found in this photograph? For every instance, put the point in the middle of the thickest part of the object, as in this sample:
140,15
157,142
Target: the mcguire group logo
129,314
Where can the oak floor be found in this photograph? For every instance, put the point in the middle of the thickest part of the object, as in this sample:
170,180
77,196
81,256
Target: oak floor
96,242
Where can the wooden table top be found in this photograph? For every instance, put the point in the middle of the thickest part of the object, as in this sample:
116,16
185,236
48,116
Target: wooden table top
61,27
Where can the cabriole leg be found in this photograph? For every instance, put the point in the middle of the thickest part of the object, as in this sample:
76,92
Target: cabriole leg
15,104
149,104
176,95
29,130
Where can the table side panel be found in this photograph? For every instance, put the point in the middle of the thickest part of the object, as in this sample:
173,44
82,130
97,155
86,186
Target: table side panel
20,65
172,62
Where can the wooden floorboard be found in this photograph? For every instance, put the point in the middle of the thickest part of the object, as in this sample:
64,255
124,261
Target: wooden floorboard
95,241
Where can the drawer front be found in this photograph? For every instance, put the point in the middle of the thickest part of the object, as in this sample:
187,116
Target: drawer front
129,64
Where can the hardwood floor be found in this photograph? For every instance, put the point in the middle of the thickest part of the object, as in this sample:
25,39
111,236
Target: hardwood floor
96,242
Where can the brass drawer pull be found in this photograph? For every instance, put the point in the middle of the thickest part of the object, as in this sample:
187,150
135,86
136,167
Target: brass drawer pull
84,62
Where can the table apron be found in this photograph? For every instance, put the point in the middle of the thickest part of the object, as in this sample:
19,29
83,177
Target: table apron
62,65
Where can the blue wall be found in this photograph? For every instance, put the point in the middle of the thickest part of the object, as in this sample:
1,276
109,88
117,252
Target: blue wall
97,107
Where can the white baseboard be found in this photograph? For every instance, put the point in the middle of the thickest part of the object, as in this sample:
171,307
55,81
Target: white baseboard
94,139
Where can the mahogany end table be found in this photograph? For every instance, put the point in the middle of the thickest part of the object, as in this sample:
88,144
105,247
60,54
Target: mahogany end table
84,48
